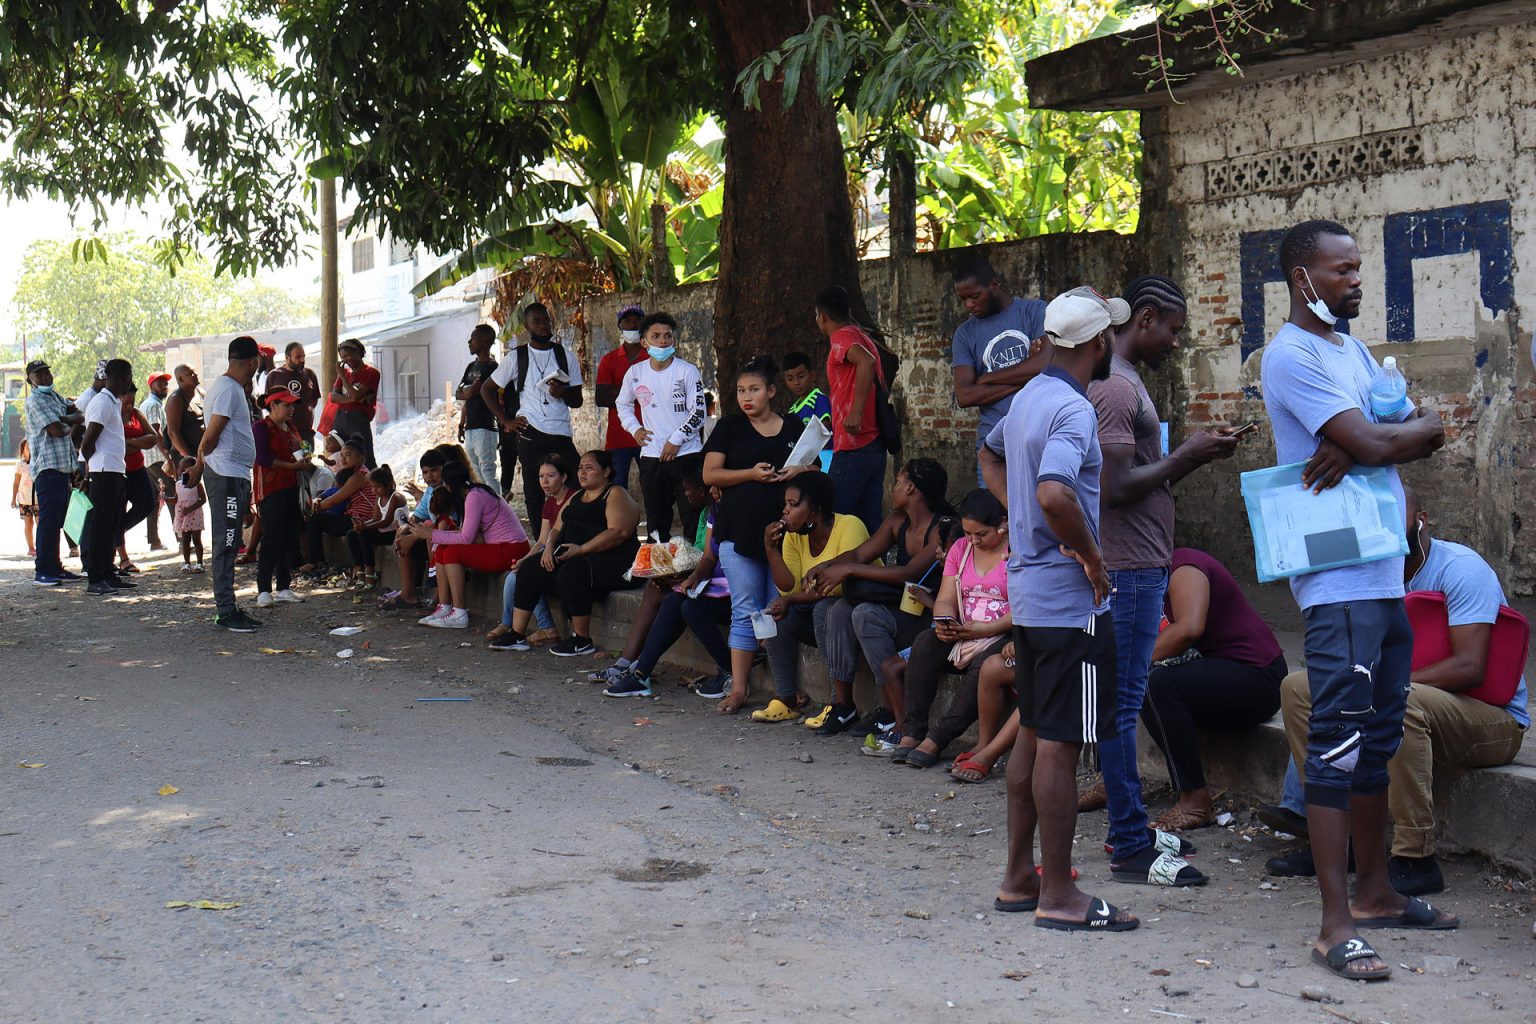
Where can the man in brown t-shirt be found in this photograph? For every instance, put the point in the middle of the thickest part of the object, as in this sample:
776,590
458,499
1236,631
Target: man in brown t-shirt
1136,535
298,380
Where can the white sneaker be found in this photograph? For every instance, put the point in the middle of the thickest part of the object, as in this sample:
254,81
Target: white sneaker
457,618
264,600
287,597
437,613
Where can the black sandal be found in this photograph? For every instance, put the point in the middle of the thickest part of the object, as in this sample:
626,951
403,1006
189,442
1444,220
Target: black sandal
1003,906
1102,916
1338,959
1417,914
920,758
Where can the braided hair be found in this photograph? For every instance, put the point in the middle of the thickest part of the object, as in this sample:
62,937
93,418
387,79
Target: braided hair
1157,291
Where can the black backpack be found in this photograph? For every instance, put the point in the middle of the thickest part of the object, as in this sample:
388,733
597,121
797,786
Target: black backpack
512,397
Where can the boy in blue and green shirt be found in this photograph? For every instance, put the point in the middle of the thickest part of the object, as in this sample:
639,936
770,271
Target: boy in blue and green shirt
810,401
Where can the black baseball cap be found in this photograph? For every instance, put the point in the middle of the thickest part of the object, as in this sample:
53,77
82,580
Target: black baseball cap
244,347
35,365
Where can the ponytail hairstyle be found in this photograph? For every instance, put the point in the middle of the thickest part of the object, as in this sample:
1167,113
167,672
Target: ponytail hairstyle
761,366
982,506
932,482
457,480
383,479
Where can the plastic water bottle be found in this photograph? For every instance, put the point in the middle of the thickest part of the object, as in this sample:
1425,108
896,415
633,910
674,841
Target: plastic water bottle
1389,393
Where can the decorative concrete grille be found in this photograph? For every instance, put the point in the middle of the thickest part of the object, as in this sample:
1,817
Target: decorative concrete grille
1288,170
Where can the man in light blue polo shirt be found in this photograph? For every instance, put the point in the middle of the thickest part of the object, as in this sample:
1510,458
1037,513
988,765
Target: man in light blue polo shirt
1043,461
1317,384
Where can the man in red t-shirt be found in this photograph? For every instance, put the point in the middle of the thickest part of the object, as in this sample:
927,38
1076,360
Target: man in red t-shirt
853,367
610,376
356,394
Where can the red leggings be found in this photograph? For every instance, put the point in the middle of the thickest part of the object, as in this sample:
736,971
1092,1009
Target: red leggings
480,557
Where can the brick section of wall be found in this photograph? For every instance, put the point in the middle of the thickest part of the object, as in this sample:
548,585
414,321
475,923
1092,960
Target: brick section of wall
917,308
1448,254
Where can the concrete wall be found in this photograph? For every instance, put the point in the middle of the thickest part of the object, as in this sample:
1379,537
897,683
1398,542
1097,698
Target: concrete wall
1426,156
915,304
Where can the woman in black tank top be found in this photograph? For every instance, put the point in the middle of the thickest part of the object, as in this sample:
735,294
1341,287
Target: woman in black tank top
903,549
591,547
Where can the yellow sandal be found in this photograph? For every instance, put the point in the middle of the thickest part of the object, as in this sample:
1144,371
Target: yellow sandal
776,711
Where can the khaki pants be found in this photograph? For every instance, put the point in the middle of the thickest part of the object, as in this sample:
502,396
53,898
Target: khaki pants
1439,728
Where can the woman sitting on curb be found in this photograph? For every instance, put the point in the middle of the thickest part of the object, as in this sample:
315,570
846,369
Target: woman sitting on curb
489,539
555,481
808,534
351,504
971,622
704,614
997,719
590,549
655,591
874,576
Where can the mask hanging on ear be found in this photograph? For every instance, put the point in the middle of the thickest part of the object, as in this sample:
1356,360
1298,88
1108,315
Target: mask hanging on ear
1318,307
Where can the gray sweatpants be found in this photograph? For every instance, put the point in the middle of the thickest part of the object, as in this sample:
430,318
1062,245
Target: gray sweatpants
229,498
807,624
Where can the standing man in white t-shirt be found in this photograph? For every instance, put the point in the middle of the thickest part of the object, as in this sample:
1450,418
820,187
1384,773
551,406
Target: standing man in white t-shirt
224,461
542,383
669,393
103,448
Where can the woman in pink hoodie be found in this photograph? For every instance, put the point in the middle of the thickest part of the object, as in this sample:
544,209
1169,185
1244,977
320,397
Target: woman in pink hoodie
489,539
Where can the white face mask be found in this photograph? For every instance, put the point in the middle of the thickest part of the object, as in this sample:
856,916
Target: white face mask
1318,307
630,337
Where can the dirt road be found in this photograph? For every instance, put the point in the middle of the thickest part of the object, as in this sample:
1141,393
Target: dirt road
536,852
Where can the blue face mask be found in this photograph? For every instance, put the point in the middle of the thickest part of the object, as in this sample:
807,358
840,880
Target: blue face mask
661,355
46,389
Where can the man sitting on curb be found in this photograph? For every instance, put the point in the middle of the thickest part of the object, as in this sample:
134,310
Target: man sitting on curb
1442,726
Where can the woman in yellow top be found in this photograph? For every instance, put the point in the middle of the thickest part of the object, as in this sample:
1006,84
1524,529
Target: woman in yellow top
807,535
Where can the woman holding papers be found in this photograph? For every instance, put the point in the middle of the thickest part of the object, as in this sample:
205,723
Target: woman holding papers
746,457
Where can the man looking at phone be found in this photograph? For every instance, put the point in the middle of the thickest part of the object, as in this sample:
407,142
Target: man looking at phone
1138,548
1043,462
1359,645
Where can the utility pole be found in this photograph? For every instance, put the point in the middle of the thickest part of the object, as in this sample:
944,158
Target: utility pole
330,310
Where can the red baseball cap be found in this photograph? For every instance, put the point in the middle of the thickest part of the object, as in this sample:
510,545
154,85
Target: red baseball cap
281,395
266,350
154,377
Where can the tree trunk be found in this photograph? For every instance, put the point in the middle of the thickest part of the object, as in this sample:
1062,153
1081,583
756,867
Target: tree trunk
902,171
786,230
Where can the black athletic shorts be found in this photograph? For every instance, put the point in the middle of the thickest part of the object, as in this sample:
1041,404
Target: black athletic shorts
1066,680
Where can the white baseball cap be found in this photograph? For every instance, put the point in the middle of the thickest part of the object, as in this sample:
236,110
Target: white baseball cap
1079,315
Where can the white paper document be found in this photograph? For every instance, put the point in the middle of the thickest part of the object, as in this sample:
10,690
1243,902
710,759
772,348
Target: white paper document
807,451
1303,529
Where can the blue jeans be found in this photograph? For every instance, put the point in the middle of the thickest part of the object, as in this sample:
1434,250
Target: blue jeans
859,479
1137,606
540,611
484,448
623,458
752,590
1292,796
50,489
